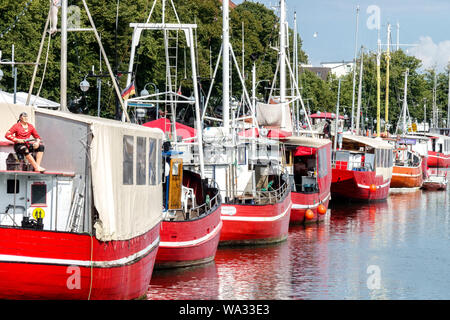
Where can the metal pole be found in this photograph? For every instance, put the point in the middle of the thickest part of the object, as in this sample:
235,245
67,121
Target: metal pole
337,117
63,91
197,106
116,87
358,108
14,71
226,67
282,54
388,59
354,70
33,78
448,106
405,102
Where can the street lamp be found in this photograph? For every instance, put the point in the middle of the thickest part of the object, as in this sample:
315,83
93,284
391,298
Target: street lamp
1,74
84,85
144,92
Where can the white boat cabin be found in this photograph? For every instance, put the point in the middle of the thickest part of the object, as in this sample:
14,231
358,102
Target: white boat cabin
98,171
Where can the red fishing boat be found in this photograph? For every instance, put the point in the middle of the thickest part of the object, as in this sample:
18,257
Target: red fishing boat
308,162
87,228
438,151
256,194
362,169
191,225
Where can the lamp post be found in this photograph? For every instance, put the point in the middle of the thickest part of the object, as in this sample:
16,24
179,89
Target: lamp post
145,92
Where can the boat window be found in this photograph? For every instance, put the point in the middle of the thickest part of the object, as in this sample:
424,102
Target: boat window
128,159
159,164
323,162
241,154
342,156
38,193
152,161
12,184
369,161
141,152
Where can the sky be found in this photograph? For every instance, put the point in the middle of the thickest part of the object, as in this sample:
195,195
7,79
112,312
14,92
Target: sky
328,27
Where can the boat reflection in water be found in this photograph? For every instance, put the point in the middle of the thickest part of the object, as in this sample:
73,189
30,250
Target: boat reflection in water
394,249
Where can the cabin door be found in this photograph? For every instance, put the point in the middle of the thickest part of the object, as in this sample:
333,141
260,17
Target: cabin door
175,183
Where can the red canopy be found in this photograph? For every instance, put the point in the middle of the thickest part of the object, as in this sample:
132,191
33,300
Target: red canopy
325,115
304,151
272,133
165,125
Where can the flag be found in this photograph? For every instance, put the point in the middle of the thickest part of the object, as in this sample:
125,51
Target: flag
128,91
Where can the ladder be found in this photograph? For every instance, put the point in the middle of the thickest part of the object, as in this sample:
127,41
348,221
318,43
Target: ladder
171,52
76,210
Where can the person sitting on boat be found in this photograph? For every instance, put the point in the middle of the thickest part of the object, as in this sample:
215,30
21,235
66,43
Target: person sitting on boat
20,134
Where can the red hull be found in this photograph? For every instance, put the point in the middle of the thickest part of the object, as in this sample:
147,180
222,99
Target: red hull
355,185
255,224
187,243
438,160
58,265
302,202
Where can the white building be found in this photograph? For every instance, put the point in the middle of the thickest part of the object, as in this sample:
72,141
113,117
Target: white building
339,68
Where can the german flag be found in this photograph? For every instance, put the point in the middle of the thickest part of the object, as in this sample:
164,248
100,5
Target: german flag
128,91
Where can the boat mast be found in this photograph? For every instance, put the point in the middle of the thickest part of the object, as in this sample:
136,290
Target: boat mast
354,70
282,53
435,112
378,83
448,106
388,58
226,66
297,106
63,78
405,102
358,109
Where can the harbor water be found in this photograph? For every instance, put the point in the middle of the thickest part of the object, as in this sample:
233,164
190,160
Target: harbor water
395,249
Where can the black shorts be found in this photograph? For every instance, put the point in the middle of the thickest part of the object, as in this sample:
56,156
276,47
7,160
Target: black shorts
25,149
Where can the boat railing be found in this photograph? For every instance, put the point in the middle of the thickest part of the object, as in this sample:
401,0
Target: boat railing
352,165
209,204
266,196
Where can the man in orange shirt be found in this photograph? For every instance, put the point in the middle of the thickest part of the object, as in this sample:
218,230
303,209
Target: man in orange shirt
20,134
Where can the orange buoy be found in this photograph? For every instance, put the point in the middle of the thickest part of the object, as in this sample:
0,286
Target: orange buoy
373,188
321,209
309,214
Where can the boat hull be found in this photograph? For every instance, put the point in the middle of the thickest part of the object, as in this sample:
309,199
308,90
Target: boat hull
355,185
36,264
188,243
434,186
407,177
302,202
438,160
255,224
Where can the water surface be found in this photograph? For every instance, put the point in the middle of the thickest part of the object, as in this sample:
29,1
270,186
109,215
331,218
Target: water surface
395,249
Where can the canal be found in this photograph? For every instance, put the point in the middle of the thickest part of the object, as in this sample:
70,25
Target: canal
396,249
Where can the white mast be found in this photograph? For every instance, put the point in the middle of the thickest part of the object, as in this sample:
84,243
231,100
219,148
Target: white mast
282,52
358,108
297,107
405,102
63,79
226,66
354,70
